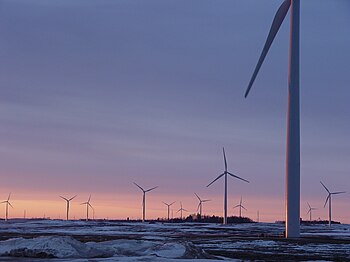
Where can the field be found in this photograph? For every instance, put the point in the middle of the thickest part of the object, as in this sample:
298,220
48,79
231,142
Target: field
56,240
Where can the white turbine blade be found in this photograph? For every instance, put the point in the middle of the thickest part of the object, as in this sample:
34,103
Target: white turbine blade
325,187
216,179
240,202
276,24
223,150
198,206
197,196
237,177
64,198
151,189
72,198
206,200
9,197
10,204
85,203
90,205
326,200
139,186
309,211
236,206
172,203
244,208
89,199
336,193
3,202
308,205
178,210
165,203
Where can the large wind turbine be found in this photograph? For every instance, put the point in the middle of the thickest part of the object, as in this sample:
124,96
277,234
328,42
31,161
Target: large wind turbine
144,200
168,205
293,122
310,210
240,207
68,203
329,198
87,203
200,205
181,209
225,193
7,202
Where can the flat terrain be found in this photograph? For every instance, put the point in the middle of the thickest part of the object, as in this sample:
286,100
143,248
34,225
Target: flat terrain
56,240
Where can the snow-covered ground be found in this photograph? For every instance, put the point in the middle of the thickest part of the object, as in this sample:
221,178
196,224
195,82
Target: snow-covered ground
58,240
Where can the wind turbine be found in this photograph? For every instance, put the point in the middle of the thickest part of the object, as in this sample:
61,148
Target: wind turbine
181,209
200,205
68,202
87,203
168,205
144,200
7,202
329,197
310,210
293,122
225,193
240,207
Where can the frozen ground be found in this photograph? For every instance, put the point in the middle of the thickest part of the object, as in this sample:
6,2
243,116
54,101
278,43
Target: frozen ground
77,241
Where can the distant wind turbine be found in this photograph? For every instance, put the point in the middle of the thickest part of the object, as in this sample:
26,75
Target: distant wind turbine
68,203
7,202
88,205
329,198
293,122
144,200
225,193
200,205
310,210
181,209
240,207
168,205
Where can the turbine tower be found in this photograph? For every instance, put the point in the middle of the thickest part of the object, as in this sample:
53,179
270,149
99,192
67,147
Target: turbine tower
329,200
181,209
144,200
293,122
68,203
240,207
168,205
87,203
200,205
225,192
310,210
7,202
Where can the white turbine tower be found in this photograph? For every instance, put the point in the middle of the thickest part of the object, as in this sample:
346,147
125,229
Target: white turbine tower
310,210
240,207
88,205
200,205
7,202
68,204
329,200
168,205
181,209
225,192
144,200
293,122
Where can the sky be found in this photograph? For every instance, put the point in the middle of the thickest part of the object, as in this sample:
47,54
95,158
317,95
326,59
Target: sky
96,95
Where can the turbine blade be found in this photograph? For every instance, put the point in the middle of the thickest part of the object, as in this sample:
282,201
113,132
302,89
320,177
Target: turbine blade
89,199
223,150
206,200
165,203
236,206
185,210
151,189
139,186
9,197
216,179
198,197
336,193
325,187
10,204
276,24
244,208
64,198
240,202
178,210
172,203
72,198
308,205
3,202
237,177
198,206
85,203
326,201
308,211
